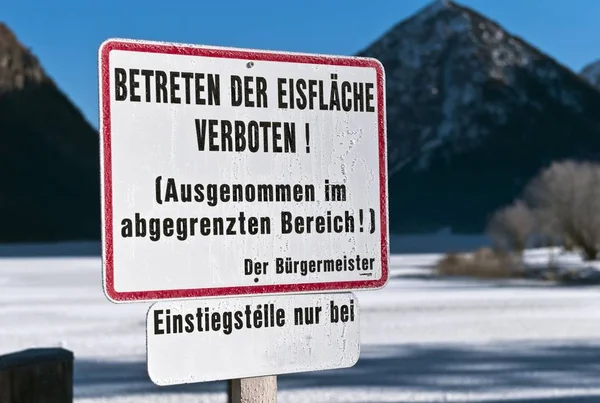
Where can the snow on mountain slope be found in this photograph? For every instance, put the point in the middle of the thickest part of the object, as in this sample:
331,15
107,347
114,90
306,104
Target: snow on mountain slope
591,73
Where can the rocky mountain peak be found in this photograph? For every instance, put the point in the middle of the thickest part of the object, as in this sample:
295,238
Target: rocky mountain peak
49,155
468,101
18,66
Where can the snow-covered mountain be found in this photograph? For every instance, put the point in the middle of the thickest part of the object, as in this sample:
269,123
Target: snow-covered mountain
591,73
473,113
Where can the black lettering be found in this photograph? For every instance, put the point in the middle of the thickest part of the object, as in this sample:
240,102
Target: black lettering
334,96
280,317
370,97
189,323
239,319
120,84
359,101
199,88
187,86
280,93
200,133
227,325
174,86
346,100
300,87
276,137
236,91
199,319
261,92
177,323
154,229
127,228
226,139
168,321
258,317
298,316
248,91
133,84
186,193
212,135
157,322
214,89
147,83
333,311
168,226
171,191
161,86
168,86
312,93
248,313
216,321
231,222
140,226
322,105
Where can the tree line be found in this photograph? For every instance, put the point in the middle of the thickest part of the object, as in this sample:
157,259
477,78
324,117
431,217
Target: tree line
559,206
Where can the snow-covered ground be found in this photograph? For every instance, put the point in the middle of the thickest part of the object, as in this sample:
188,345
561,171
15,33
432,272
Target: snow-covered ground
424,339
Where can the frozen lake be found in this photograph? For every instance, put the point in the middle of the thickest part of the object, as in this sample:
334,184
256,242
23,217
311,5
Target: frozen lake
423,339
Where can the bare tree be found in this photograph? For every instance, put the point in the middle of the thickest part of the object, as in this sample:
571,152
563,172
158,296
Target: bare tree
511,227
566,201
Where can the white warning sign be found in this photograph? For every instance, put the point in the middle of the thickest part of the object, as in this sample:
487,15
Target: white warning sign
238,172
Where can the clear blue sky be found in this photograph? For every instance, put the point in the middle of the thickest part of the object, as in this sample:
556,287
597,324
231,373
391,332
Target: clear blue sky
65,34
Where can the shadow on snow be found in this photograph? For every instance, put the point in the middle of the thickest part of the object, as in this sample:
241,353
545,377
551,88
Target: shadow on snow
406,368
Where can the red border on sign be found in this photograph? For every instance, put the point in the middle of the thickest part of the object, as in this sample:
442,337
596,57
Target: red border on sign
176,49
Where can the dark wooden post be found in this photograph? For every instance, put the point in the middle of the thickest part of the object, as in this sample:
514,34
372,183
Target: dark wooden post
39,375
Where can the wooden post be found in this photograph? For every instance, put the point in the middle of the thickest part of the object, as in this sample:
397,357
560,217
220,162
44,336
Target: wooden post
40,375
261,389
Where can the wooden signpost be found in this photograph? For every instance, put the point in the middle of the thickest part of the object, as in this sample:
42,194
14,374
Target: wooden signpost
245,196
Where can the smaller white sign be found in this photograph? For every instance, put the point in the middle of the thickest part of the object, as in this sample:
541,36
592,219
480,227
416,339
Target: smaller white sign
191,341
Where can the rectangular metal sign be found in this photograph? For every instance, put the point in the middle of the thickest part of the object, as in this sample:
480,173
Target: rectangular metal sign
232,172
191,341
